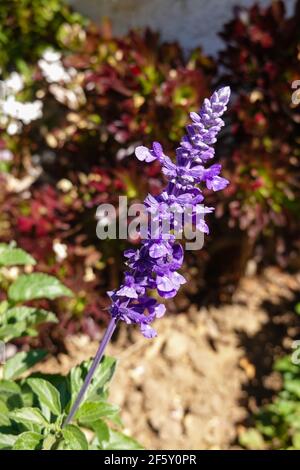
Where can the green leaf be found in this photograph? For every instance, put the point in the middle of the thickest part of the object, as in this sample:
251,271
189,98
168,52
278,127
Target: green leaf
28,416
118,441
293,386
252,439
75,438
49,442
30,315
92,411
102,377
102,431
8,332
100,380
3,307
47,394
7,441
7,387
10,256
28,397
21,362
28,441
37,286
284,364
282,407
4,411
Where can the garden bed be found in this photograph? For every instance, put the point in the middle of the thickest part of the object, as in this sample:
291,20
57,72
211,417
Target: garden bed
194,386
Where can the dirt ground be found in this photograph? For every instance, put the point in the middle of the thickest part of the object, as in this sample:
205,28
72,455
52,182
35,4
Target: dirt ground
195,385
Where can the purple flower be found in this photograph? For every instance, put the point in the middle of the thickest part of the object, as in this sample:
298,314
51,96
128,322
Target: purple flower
154,265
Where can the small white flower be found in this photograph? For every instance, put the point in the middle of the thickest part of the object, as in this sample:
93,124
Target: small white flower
72,98
51,56
30,111
26,112
60,250
14,127
54,71
10,107
89,274
14,83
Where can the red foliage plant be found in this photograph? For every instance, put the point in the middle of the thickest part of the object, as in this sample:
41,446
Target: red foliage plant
261,61
116,93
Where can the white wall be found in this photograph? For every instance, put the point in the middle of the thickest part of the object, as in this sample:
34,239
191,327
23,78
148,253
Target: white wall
191,22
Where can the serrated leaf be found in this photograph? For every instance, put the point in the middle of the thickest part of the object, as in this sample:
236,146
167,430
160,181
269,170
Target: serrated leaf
47,394
28,441
37,286
119,441
74,438
7,441
22,361
28,416
10,256
92,411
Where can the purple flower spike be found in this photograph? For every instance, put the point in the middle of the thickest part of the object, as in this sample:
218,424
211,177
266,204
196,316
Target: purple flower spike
154,265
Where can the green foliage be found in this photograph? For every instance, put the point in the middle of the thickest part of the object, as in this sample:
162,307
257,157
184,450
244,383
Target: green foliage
36,286
11,256
27,27
278,423
21,320
33,410
20,362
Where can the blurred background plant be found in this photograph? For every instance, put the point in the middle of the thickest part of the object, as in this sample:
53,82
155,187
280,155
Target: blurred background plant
70,148
75,102
27,27
33,407
261,62
277,423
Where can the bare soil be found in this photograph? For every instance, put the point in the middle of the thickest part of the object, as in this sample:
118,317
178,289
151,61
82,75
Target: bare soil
197,383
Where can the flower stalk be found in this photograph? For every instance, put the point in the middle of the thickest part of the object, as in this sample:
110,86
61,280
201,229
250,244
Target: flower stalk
97,359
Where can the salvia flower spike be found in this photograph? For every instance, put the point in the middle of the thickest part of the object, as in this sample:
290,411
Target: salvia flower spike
155,264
